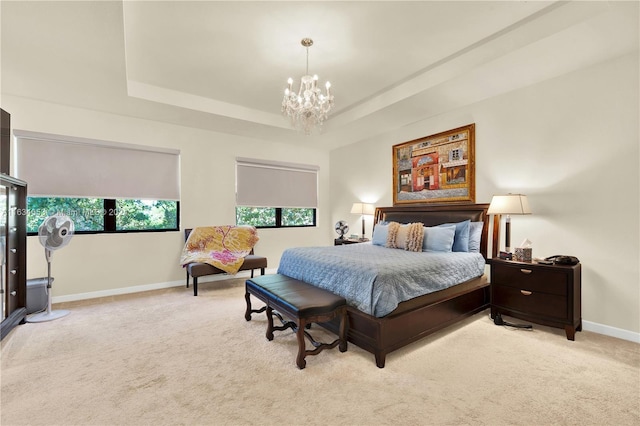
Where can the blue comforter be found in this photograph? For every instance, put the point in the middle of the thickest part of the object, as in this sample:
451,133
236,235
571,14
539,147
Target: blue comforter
376,279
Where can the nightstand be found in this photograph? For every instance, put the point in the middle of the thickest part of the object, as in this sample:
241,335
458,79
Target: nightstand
544,294
343,241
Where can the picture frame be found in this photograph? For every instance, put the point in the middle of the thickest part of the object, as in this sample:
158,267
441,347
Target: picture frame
436,169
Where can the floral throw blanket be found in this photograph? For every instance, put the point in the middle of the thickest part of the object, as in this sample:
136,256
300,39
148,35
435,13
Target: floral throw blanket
221,246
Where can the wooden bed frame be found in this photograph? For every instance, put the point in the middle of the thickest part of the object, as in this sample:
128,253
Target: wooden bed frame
424,315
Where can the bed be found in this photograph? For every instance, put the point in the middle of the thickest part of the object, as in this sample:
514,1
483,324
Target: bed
421,315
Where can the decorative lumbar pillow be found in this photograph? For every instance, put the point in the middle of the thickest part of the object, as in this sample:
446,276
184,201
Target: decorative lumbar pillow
394,227
475,235
407,237
439,238
415,237
461,239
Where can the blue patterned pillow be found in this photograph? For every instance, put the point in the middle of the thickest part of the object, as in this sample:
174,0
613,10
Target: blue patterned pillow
438,238
461,239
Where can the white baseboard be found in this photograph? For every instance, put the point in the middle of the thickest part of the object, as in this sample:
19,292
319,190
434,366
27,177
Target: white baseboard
148,287
586,325
611,331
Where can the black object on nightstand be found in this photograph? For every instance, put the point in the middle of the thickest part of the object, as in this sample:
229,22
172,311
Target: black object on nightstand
544,294
343,241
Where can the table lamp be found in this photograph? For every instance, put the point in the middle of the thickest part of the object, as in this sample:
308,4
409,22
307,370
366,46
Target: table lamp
363,209
509,204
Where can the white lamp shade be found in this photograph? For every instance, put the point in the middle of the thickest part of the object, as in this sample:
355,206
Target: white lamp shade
509,204
363,208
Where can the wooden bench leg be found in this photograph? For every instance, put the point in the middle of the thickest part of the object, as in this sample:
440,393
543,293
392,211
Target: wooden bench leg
269,323
249,311
195,286
304,323
261,272
187,279
302,350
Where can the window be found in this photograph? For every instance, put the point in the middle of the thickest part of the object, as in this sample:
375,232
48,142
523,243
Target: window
94,215
270,217
260,217
274,194
298,217
147,215
86,213
102,186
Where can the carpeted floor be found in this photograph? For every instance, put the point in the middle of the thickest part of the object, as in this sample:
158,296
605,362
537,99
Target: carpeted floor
168,358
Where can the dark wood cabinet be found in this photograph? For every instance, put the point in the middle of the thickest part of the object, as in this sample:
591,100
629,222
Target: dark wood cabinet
13,245
544,294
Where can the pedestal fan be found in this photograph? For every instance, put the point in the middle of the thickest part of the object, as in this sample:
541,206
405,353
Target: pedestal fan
54,233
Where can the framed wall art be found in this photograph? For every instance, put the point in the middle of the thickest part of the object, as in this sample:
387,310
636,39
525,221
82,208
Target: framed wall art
435,169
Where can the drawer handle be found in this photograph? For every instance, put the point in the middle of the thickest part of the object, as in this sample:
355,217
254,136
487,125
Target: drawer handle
13,293
14,271
526,271
13,250
525,292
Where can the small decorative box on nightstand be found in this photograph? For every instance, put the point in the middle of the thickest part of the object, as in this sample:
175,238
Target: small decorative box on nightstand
544,294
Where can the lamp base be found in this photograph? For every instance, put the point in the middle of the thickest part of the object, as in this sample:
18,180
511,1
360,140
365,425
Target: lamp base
507,234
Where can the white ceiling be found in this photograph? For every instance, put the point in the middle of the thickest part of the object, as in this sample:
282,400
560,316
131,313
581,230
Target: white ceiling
223,66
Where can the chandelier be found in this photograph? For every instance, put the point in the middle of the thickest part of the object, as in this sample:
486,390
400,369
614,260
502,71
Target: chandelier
309,107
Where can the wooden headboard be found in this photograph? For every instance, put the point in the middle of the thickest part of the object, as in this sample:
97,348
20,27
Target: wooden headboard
431,215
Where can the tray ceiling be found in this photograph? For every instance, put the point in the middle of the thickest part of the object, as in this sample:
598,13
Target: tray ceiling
223,65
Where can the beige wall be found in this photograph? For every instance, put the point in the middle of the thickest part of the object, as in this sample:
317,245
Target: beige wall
93,265
571,145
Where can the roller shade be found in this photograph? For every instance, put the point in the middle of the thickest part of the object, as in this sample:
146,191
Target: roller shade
62,166
275,184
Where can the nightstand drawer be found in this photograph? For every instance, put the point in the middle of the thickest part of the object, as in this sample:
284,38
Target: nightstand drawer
529,302
535,278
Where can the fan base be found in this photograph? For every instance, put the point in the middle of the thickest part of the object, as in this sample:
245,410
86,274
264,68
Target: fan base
47,316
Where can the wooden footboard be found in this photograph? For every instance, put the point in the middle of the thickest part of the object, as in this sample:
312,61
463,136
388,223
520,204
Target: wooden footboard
381,336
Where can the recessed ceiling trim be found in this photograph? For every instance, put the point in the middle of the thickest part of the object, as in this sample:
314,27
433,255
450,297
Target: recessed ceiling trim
163,95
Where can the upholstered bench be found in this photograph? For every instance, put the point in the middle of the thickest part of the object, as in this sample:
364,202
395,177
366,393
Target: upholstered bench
196,270
302,304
